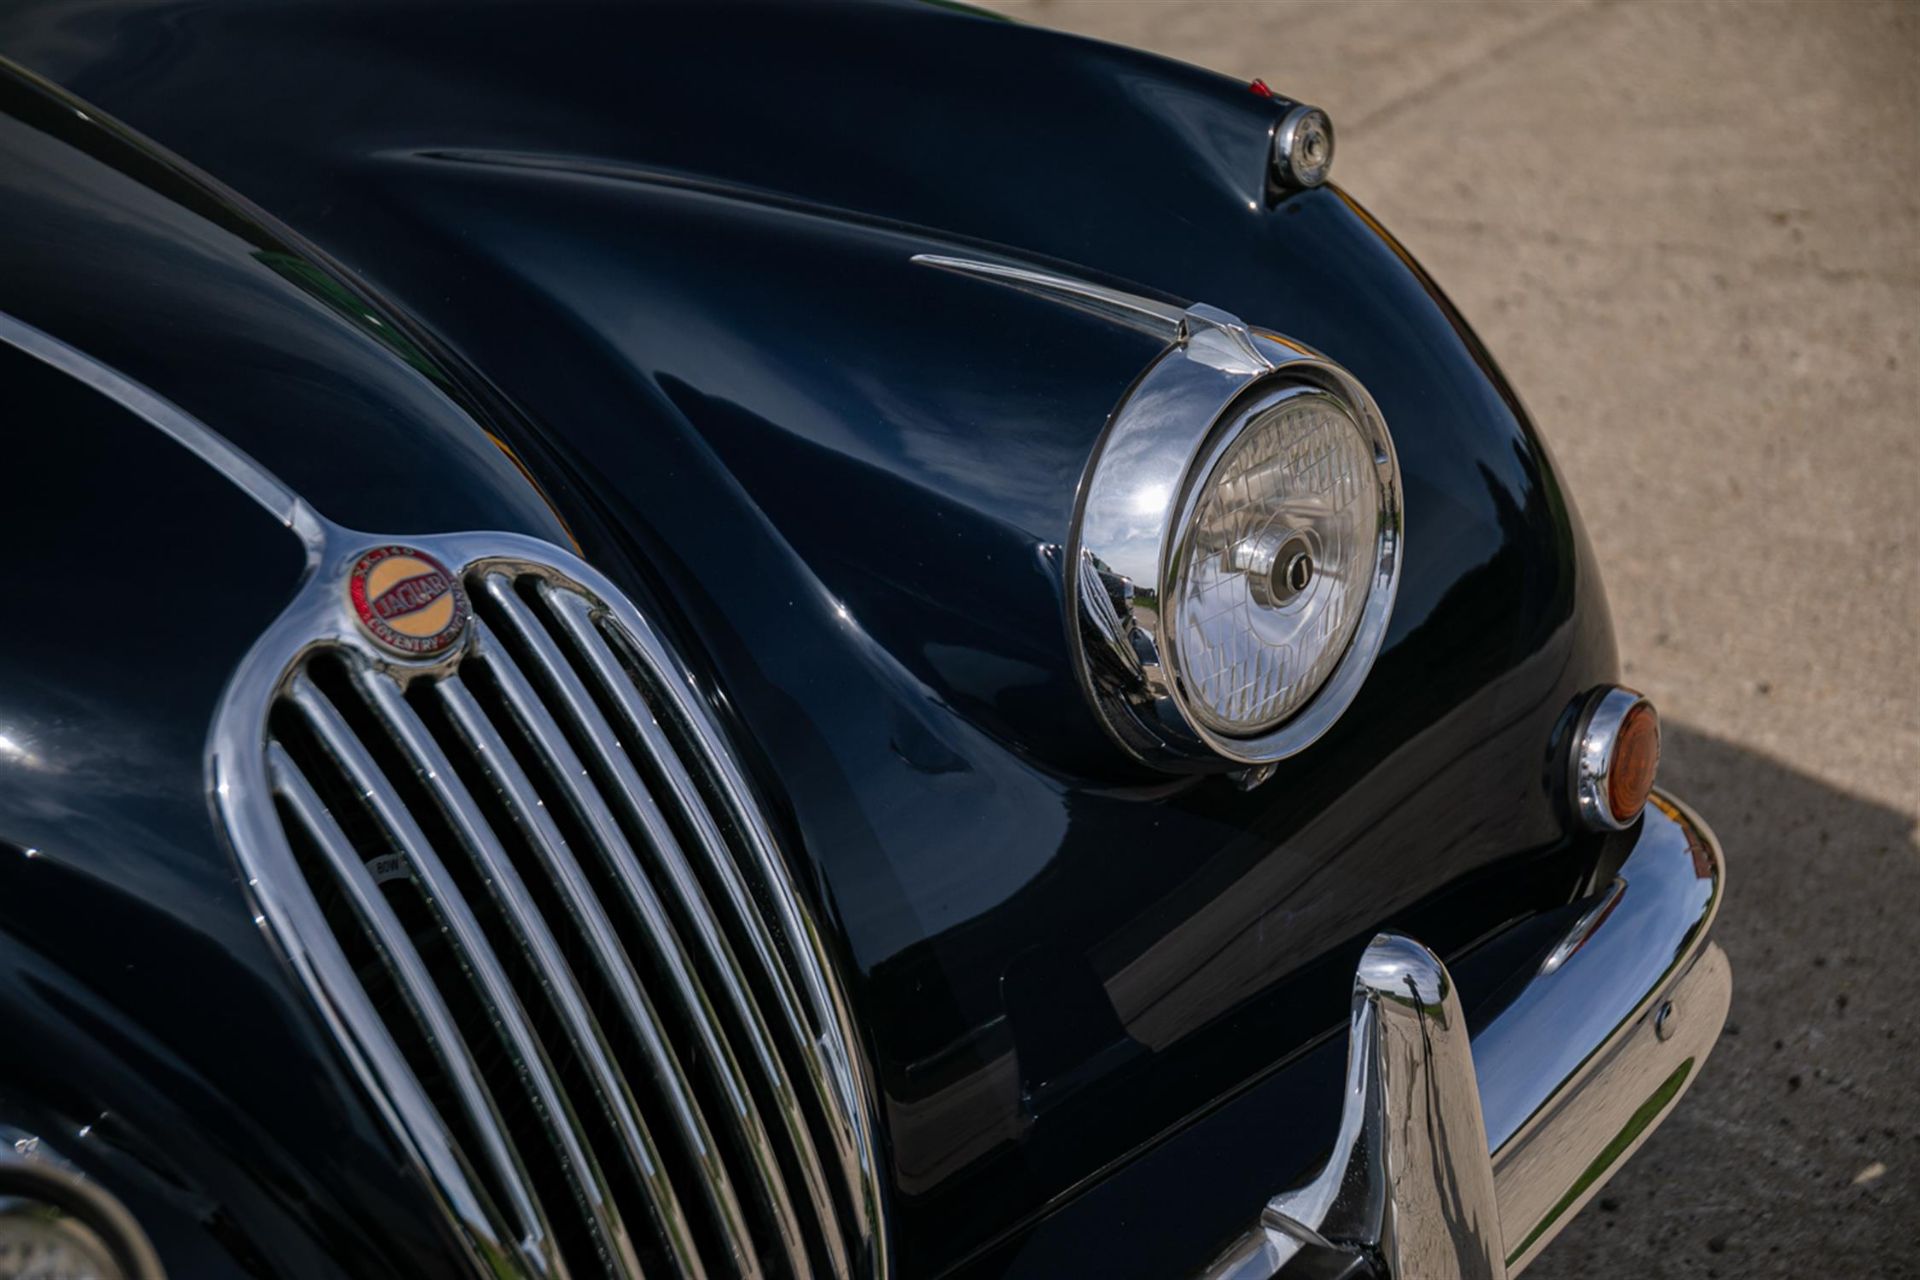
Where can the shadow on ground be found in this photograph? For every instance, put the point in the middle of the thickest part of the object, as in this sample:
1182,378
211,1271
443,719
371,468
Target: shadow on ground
1796,1153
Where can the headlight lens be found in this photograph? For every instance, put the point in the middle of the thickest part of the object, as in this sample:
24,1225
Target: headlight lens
1272,569
58,1224
40,1242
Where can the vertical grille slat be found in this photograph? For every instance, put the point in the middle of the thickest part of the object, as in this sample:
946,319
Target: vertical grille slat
422,995
543,951
528,811
637,804
488,1243
533,899
827,1074
475,956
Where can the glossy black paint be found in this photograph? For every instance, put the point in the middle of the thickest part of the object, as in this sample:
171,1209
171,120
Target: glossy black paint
149,1034
657,260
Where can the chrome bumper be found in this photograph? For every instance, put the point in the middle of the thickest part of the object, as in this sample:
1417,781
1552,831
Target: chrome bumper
1458,1158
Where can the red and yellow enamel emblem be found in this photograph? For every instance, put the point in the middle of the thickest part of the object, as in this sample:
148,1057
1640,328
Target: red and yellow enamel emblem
407,600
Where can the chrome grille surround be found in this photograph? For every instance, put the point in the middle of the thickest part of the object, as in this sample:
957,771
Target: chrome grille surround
532,897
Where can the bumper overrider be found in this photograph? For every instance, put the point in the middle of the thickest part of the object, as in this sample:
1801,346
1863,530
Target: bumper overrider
1461,1156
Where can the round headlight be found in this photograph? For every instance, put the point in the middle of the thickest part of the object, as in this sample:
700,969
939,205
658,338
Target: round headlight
41,1242
57,1222
1237,550
1274,561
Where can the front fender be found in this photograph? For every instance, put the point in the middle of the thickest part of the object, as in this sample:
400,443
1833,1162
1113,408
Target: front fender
677,240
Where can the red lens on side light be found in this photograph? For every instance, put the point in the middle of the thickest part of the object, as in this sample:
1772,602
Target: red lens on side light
1636,758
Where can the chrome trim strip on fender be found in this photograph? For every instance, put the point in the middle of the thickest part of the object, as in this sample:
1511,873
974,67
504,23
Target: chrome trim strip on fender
203,441
1136,311
495,1218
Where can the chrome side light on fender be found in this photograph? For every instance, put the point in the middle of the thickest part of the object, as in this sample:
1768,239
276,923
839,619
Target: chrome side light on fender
1302,147
1616,752
1236,551
1302,154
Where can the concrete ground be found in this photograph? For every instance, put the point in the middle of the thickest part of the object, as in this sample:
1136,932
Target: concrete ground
1691,234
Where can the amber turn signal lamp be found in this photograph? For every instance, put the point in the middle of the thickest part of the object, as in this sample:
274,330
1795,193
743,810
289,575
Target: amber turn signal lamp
1636,756
1616,755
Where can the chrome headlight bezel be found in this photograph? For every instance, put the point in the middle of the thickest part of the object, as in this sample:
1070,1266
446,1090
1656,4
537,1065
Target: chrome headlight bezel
44,1196
1137,501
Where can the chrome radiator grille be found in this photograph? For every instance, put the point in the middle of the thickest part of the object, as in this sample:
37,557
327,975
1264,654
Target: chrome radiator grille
528,888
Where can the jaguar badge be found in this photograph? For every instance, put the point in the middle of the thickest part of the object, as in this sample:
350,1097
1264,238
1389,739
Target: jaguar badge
408,601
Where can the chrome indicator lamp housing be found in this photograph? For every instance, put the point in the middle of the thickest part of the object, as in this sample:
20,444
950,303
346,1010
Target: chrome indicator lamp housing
1302,148
1616,752
1236,550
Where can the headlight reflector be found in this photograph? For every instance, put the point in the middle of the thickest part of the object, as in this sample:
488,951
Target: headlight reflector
1273,566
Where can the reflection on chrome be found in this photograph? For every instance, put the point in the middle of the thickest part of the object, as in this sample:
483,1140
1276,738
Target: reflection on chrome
1303,147
1556,1091
1145,575
18,754
553,780
1234,439
1596,754
208,445
1409,1181
1134,310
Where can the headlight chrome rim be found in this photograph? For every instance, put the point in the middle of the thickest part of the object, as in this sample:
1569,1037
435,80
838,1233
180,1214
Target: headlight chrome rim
41,1188
1177,422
